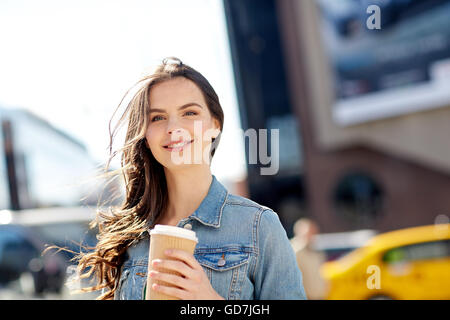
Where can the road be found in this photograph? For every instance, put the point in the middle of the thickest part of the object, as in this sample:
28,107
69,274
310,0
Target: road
23,289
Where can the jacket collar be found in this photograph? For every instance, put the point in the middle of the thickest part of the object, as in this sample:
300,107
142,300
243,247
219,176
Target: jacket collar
210,210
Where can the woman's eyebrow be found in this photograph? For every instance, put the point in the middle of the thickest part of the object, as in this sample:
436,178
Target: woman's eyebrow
184,106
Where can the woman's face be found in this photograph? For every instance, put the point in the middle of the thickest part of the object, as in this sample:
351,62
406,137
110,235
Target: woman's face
180,124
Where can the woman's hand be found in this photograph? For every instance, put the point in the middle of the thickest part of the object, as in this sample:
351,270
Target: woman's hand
193,284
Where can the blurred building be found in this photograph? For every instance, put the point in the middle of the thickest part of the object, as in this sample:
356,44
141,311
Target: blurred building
363,113
41,166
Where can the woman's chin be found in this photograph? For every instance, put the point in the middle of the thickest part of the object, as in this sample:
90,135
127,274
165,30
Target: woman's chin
177,160
181,165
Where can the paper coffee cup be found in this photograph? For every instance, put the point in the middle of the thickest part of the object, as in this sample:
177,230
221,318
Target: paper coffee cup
164,237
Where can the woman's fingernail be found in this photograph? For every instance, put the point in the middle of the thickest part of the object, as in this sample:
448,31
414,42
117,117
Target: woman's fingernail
168,252
156,261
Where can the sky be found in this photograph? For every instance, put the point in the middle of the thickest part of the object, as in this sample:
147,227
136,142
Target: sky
71,62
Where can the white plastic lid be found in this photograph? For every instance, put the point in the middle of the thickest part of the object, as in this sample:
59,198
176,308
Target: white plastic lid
174,231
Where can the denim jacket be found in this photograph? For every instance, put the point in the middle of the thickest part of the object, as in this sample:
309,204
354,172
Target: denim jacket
242,248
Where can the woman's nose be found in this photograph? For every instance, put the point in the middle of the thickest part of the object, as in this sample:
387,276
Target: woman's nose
174,128
175,131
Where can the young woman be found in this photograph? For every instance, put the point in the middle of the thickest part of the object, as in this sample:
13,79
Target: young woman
174,125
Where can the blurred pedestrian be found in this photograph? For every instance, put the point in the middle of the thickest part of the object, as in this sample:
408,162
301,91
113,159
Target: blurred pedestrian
309,260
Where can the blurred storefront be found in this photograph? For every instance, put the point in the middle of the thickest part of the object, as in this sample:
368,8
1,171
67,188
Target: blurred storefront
41,166
370,107
264,103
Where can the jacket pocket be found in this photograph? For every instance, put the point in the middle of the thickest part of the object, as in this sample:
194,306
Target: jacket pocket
226,269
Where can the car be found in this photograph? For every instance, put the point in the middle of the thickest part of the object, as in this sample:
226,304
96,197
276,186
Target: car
411,263
21,255
65,227
25,234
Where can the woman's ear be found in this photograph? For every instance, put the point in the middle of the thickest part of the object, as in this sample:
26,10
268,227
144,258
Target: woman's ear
216,124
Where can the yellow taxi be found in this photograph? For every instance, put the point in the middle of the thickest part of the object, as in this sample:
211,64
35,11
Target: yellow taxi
412,263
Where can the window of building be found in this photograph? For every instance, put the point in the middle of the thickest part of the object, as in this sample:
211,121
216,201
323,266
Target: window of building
358,198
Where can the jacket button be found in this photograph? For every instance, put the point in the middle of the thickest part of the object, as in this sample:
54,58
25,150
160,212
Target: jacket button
221,262
188,226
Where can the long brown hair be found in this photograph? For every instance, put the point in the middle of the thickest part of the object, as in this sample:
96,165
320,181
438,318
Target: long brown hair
145,183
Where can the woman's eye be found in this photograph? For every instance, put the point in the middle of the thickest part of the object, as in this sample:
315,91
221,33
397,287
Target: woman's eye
190,113
156,118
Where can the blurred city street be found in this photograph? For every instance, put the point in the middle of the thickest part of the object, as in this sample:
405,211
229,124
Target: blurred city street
337,117
22,289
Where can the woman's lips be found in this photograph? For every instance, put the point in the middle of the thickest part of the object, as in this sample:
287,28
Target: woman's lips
177,146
